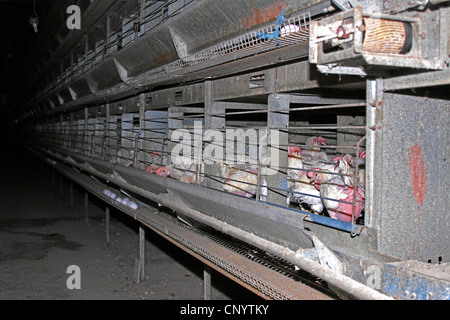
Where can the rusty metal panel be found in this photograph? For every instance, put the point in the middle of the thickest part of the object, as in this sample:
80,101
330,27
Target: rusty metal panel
192,94
207,24
249,84
299,75
412,280
414,220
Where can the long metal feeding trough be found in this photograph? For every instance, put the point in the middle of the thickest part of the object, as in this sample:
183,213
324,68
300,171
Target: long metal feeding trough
314,131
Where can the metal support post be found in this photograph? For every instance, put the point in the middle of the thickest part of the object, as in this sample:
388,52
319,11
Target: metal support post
212,121
206,282
140,156
140,272
374,147
107,221
86,206
276,174
71,194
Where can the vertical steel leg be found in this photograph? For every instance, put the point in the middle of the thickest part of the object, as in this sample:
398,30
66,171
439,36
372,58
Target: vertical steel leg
86,206
276,175
140,274
60,185
206,283
213,122
71,194
107,224
374,148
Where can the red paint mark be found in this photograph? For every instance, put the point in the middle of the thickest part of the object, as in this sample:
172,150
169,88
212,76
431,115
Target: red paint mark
260,16
163,58
417,172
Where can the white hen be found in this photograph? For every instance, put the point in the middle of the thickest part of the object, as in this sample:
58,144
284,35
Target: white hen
338,192
313,148
242,178
299,187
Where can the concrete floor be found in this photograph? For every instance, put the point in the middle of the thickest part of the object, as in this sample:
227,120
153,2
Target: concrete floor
41,235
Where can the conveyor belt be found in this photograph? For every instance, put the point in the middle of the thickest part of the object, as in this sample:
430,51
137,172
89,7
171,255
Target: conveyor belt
261,273
259,256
